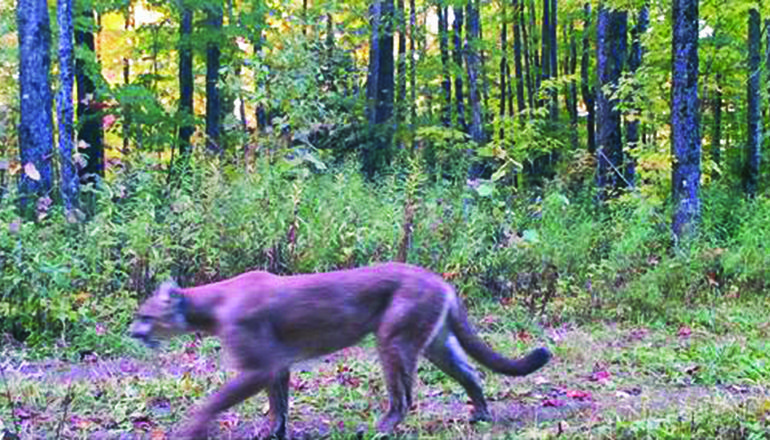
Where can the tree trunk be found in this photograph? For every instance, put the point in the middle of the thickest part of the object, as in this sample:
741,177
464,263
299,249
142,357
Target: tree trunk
69,176
186,83
503,70
571,69
412,68
754,114
611,29
458,60
634,62
127,26
446,83
553,46
586,89
380,87
237,68
685,121
528,66
482,63
545,41
35,124
260,113
534,43
373,73
716,134
518,12
473,65
767,69
213,99
401,96
89,117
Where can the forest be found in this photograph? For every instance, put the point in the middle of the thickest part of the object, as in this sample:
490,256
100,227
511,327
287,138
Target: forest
588,175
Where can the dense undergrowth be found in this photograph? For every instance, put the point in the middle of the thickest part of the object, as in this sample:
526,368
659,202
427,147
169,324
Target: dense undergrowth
554,252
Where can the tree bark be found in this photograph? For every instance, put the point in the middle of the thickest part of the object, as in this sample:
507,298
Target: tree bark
685,120
35,124
458,60
586,88
611,29
716,133
553,46
89,117
401,96
534,43
380,87
634,62
127,26
518,12
446,83
69,176
473,65
528,66
503,71
571,69
213,98
545,41
754,114
412,67
186,82
260,113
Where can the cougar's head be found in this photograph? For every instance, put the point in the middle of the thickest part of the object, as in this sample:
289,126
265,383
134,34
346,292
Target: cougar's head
161,316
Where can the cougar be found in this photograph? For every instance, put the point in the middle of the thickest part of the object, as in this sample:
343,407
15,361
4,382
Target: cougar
268,322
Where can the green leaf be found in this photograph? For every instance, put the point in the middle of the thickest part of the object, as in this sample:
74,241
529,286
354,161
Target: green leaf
486,189
530,236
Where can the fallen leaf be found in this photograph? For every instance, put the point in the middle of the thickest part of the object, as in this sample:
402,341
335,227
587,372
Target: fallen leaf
579,395
600,375
228,421
489,319
553,403
31,171
684,331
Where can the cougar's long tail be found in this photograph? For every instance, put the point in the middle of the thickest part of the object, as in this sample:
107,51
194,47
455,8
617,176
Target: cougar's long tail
480,351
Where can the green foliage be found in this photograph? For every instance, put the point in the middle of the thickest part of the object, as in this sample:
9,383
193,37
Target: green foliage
557,254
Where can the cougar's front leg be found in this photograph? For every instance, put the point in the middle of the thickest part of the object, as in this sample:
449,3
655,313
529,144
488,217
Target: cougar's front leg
235,391
279,404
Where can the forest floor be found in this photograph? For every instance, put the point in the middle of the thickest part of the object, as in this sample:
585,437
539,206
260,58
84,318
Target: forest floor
605,381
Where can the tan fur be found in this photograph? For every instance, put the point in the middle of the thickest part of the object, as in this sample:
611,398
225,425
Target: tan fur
267,323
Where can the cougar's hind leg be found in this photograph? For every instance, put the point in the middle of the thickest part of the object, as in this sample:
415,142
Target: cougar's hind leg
404,332
278,395
444,352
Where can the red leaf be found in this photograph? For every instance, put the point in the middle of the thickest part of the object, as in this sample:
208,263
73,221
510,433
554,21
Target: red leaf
554,403
684,331
600,375
579,395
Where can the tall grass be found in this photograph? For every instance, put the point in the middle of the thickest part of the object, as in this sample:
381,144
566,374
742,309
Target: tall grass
557,254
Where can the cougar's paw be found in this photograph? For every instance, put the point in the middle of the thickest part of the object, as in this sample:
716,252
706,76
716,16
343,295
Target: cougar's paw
480,415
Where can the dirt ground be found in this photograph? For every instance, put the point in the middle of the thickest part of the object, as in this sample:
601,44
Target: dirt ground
584,388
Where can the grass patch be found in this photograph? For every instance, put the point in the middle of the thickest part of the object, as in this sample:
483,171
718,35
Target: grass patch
606,381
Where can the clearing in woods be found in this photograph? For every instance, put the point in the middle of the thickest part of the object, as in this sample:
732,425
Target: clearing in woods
705,380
